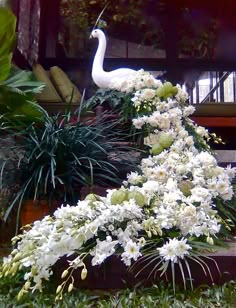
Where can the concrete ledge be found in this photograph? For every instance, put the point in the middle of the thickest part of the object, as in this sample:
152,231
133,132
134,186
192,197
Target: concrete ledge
226,156
113,274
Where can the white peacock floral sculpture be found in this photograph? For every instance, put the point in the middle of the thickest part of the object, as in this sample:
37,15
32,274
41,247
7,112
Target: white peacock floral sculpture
100,77
178,204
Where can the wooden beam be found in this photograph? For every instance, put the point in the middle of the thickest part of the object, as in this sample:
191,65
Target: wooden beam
215,121
147,64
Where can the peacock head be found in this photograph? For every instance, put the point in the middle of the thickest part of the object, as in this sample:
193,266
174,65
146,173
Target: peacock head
96,33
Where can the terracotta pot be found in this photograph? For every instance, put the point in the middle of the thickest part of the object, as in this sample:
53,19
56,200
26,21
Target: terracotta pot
33,210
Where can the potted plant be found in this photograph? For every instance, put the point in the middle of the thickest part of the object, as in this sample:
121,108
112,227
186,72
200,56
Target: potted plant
57,157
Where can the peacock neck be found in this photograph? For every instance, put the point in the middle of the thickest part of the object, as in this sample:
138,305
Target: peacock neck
100,53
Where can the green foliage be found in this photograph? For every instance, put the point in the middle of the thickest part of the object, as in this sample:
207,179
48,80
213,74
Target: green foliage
119,104
112,99
117,101
160,295
226,215
22,82
7,41
200,142
57,157
17,102
17,87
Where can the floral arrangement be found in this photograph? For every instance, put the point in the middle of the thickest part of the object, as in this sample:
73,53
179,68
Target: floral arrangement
180,202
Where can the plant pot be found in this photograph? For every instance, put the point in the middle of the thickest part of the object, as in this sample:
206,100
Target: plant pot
33,210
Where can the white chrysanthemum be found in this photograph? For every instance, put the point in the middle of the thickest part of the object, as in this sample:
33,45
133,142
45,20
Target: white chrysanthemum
189,141
138,122
200,194
151,139
206,159
211,185
183,133
150,187
174,113
131,252
147,94
202,131
230,171
174,249
187,218
134,178
154,119
103,250
147,162
224,189
188,111
181,96
150,81
161,173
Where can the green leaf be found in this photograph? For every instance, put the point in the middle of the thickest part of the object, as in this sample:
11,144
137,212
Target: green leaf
5,66
7,31
23,82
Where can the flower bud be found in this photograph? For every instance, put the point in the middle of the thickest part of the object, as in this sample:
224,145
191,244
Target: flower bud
70,288
92,197
154,231
59,288
74,232
58,298
17,257
139,198
6,273
210,240
4,268
185,186
20,294
156,149
165,140
14,251
64,274
27,285
119,196
34,270
14,267
84,273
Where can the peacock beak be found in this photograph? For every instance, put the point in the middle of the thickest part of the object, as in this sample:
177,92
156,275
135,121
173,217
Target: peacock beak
91,36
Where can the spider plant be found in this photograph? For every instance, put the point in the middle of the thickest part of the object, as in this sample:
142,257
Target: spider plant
55,158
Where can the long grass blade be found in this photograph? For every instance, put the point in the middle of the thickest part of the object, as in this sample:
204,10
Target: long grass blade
182,273
173,275
189,272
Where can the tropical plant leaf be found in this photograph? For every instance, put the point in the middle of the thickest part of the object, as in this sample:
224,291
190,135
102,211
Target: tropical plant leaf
7,31
5,66
23,82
